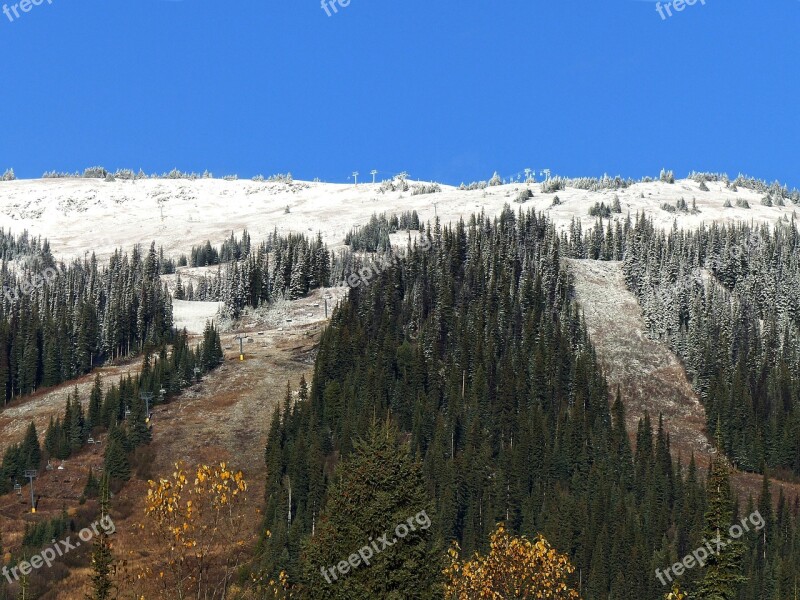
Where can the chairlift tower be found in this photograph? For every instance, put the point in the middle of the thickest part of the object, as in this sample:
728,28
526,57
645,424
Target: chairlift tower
242,339
31,474
355,176
373,173
146,397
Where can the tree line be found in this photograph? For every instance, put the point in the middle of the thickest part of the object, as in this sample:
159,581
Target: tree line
81,317
480,358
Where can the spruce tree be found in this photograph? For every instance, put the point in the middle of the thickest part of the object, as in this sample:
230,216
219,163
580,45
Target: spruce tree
92,487
76,424
116,458
94,418
723,571
102,558
378,488
30,450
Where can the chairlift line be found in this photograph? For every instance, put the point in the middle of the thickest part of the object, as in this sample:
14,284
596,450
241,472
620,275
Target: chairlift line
31,474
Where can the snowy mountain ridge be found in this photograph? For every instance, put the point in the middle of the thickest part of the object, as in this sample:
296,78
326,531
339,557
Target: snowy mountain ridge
81,216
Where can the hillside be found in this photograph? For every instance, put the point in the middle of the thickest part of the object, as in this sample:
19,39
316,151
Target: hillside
227,415
650,377
81,216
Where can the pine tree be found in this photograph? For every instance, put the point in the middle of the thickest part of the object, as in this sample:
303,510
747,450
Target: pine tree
92,487
179,293
116,457
30,450
298,283
102,557
212,347
76,423
378,488
723,571
94,418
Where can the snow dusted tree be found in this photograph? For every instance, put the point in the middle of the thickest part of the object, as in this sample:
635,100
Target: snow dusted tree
179,292
298,284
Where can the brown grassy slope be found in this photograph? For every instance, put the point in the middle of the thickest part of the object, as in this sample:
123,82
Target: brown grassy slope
47,402
649,375
225,417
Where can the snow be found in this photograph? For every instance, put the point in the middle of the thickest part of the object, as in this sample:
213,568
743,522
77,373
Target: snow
194,315
81,216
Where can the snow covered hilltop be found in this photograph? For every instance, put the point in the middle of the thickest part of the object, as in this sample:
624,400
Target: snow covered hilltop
93,214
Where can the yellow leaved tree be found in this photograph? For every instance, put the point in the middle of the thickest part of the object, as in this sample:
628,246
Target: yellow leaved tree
198,522
675,594
515,567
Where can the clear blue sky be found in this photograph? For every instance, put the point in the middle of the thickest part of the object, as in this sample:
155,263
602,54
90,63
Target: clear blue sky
445,90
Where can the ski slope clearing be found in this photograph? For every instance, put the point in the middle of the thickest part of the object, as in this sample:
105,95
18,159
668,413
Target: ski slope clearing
40,406
224,417
81,216
193,316
650,377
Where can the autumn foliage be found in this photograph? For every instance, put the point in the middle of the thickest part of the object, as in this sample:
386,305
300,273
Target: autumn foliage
675,594
199,517
515,568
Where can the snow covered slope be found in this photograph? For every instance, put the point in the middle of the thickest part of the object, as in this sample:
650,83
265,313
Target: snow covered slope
193,316
91,215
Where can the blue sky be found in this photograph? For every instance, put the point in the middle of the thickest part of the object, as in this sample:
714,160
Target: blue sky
445,90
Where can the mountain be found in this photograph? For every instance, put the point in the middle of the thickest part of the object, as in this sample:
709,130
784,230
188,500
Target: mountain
80,215
536,370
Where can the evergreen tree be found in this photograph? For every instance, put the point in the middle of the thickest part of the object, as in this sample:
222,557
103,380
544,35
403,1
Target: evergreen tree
723,571
379,489
179,292
94,418
31,451
116,465
92,487
102,557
